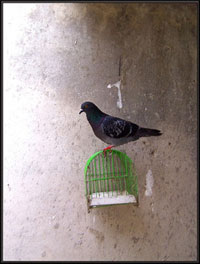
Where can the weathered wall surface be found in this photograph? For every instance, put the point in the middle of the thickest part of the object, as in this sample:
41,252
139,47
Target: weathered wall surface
57,56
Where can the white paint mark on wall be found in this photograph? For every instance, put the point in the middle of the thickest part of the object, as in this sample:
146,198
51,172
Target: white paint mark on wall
152,208
117,85
149,183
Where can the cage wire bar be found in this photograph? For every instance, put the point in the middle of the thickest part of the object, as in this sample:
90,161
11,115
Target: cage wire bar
110,180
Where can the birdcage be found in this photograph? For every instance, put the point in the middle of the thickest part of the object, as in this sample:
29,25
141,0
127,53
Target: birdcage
110,180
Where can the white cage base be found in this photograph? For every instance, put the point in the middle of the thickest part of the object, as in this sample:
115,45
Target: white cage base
101,198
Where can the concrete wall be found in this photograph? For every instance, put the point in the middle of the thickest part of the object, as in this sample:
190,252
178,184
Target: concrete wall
57,56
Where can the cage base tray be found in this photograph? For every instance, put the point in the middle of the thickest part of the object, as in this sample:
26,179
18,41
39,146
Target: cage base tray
110,198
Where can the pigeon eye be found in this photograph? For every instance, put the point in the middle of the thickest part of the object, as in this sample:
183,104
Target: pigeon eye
86,106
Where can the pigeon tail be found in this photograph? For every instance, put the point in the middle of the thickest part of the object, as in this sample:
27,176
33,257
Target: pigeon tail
147,132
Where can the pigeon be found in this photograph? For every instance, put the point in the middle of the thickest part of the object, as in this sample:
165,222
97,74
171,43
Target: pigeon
112,130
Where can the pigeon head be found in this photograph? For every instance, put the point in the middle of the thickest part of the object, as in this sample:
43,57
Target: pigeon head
93,113
89,107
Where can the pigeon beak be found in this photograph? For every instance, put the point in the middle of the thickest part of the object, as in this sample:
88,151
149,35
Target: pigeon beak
81,111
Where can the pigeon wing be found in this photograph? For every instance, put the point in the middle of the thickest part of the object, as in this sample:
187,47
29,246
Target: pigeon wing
118,128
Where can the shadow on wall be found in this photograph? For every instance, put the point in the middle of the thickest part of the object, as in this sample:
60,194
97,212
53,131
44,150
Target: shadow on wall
73,52
73,42
121,219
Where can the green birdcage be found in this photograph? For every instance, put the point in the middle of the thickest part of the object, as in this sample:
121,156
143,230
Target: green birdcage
110,180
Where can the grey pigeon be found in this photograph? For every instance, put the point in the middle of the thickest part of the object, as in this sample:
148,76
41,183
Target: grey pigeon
113,130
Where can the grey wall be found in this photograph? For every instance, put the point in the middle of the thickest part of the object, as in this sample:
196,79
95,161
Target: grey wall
57,56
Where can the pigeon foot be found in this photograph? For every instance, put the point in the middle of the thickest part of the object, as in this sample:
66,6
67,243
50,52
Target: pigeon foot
108,148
